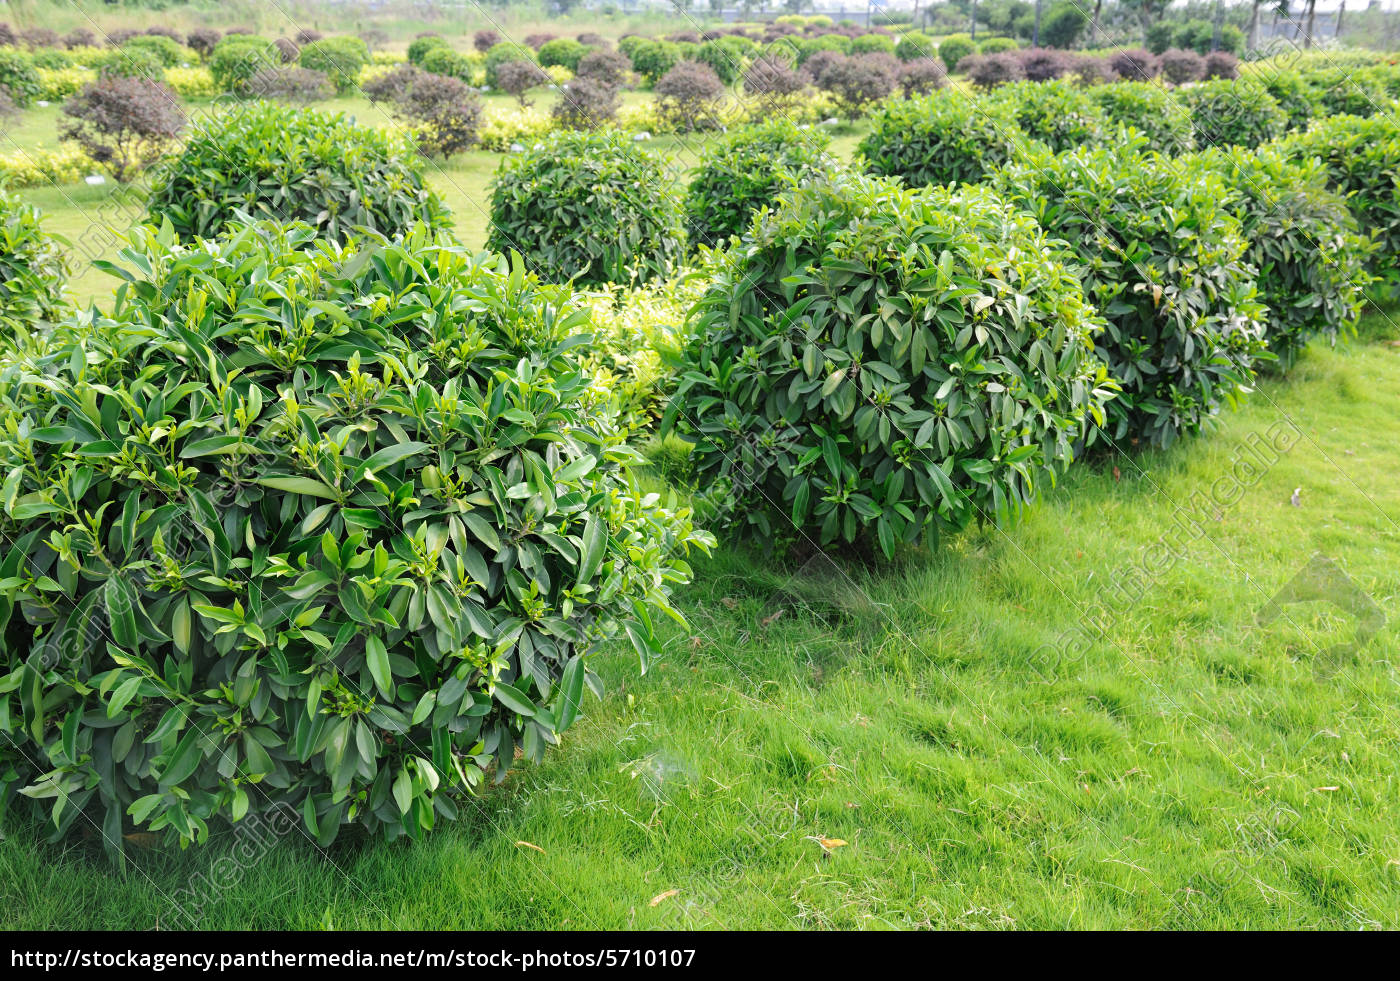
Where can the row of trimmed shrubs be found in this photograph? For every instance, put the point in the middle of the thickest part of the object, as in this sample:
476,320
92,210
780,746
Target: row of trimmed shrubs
321,517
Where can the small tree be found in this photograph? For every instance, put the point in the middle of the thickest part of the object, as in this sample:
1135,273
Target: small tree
300,86
447,111
485,40
606,66
774,82
125,124
202,41
517,78
859,81
585,103
688,95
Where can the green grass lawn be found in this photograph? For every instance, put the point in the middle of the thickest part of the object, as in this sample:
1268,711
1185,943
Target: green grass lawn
1193,768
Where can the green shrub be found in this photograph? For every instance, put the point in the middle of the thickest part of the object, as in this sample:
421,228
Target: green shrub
503,54
726,58
138,63
1166,263
1149,110
275,161
940,139
338,58
914,45
590,207
996,45
51,59
33,270
1302,240
876,363
341,535
1233,113
748,170
954,48
807,47
654,59
562,51
1291,91
237,58
452,64
1355,92
1056,112
1362,158
418,48
18,76
872,44
171,53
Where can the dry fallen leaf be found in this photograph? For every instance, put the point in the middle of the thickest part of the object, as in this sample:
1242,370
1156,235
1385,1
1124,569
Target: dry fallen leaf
830,843
526,844
1117,474
730,602
770,618
657,900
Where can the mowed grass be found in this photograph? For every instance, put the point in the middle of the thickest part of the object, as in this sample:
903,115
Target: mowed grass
1190,769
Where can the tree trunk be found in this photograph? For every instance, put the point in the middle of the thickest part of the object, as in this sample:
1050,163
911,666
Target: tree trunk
1035,35
1219,19
1341,12
1254,26
1094,21
974,20
1312,12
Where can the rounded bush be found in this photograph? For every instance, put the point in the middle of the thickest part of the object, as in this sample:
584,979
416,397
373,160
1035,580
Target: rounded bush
452,64
940,139
1152,112
1135,65
238,57
1058,113
996,45
1302,240
1238,113
33,270
288,164
913,46
986,72
921,76
954,48
562,51
420,46
1222,64
727,57
1362,160
338,58
860,81
653,59
345,537
1180,66
1045,64
748,170
588,206
170,52
876,363
688,97
1167,264
605,66
137,63
872,44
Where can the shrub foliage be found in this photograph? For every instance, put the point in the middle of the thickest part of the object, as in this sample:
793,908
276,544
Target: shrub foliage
33,270
874,364
311,527
940,139
273,161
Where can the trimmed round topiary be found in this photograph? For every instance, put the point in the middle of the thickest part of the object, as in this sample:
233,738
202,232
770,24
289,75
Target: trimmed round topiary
503,54
954,48
33,270
940,139
1233,113
748,170
1362,158
289,164
419,47
562,51
1056,112
588,206
238,57
338,58
1302,240
1167,264
341,536
1149,110
875,363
